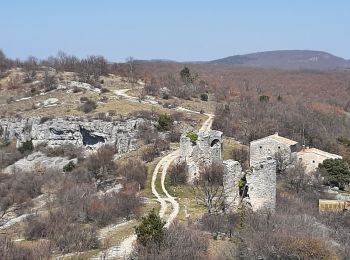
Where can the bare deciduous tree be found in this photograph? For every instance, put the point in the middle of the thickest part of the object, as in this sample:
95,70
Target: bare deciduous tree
208,188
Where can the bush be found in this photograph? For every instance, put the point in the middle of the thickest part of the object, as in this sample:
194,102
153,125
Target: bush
10,250
154,150
67,235
45,119
193,137
164,122
133,171
19,188
104,90
178,242
178,174
151,229
66,150
264,98
204,97
113,206
101,163
336,172
88,106
9,154
26,147
69,167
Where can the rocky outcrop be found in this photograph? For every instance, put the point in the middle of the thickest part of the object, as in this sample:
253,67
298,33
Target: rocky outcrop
55,132
38,161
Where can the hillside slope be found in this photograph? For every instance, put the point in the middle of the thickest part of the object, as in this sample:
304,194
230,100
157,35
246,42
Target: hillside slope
288,59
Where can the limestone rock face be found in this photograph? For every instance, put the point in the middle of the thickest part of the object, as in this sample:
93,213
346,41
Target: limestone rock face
55,132
38,161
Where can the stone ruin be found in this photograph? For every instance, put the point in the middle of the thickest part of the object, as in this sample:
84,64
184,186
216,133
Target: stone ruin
260,178
204,151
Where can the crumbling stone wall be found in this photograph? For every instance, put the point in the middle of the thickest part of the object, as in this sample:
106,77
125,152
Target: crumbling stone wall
232,176
207,149
261,182
261,179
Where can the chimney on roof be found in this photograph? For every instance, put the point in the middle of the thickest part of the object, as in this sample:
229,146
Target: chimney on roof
303,147
276,133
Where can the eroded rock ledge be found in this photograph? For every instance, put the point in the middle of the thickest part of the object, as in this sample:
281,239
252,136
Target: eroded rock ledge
54,132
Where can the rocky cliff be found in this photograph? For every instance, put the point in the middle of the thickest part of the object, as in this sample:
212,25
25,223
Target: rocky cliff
54,132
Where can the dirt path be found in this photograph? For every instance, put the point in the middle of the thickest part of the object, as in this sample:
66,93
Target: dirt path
165,200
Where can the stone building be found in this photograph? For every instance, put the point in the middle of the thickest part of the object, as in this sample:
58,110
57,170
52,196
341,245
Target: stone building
312,157
266,148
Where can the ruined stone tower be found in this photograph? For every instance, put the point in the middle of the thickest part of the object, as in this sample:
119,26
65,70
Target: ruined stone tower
260,179
261,183
202,152
232,176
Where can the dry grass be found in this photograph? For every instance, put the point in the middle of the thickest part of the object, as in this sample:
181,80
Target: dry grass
230,144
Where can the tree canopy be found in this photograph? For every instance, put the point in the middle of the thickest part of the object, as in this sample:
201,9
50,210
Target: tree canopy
336,172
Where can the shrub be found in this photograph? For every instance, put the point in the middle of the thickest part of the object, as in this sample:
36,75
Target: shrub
101,163
88,106
67,235
112,206
9,154
264,98
19,188
336,171
76,89
164,122
178,174
66,150
69,167
193,137
204,97
151,229
84,99
45,119
133,171
178,242
105,90
26,147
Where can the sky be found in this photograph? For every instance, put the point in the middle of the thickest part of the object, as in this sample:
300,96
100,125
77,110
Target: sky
182,30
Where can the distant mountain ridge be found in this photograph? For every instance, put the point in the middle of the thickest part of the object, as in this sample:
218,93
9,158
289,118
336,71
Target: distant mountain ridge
288,59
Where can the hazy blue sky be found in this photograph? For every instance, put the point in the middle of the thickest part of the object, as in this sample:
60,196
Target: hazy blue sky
172,29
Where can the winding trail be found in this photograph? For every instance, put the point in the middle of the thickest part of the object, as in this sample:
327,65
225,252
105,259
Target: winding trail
166,201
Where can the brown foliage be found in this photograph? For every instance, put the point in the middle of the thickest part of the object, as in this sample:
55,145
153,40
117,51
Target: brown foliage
178,173
9,250
8,154
19,188
133,170
101,163
66,235
179,242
